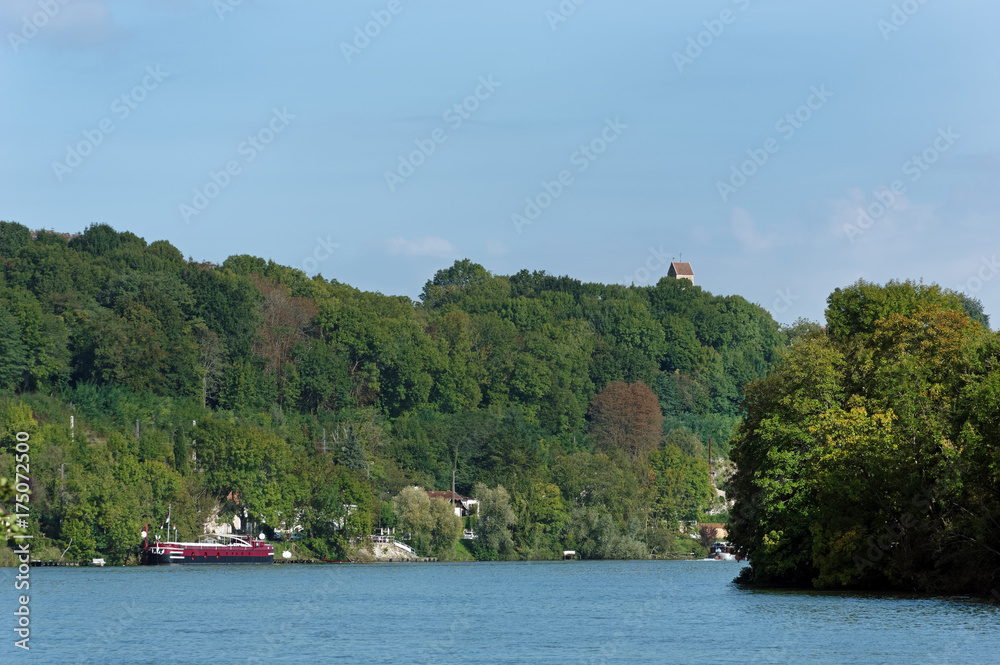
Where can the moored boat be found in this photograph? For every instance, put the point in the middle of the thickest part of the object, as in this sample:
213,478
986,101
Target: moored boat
721,551
209,550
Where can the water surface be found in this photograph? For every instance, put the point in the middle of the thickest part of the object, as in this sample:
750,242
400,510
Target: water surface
562,612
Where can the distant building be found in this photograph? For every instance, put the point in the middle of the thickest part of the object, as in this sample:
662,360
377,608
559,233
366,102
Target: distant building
713,531
681,270
464,506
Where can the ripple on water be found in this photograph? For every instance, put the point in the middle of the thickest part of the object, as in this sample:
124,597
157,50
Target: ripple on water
566,612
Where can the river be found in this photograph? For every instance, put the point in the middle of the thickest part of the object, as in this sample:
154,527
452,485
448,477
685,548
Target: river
560,612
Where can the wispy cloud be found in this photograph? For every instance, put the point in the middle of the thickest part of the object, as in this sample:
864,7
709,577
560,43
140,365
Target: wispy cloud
78,24
882,214
426,246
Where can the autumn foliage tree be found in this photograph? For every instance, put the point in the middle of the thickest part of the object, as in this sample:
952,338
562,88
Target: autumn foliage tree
627,417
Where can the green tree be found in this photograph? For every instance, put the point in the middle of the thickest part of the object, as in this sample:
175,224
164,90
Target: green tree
682,483
13,355
413,510
461,276
446,528
974,308
859,461
595,535
245,464
496,517
80,543
13,237
8,523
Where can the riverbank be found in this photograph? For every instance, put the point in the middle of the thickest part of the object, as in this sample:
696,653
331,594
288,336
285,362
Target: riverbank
747,580
386,555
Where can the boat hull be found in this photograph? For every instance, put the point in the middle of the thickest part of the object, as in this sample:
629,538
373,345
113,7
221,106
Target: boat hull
204,559
169,554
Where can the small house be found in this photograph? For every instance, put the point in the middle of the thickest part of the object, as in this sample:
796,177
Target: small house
681,270
464,506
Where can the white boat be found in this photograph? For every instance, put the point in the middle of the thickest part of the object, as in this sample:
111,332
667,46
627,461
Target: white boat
721,551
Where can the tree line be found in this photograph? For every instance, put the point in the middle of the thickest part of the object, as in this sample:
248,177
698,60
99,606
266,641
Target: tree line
252,387
868,457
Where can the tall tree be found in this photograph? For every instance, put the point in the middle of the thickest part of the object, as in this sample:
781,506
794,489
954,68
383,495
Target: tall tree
626,417
496,517
860,462
13,355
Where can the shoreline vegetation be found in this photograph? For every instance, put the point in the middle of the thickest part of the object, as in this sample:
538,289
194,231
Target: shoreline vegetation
576,415
869,458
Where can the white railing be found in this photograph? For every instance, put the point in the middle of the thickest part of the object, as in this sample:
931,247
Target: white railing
405,547
392,541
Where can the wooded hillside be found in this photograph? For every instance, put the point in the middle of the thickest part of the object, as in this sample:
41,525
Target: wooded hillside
590,404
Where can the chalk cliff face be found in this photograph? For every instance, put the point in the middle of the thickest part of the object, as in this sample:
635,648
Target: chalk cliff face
386,551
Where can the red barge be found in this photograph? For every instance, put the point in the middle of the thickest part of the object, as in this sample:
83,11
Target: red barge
211,550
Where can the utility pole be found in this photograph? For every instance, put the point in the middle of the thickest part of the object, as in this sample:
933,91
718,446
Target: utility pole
710,458
62,484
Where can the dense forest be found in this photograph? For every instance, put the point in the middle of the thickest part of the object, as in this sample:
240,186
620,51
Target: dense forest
579,412
870,456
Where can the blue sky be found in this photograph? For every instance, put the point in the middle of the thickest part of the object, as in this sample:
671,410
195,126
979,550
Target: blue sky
643,108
